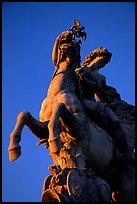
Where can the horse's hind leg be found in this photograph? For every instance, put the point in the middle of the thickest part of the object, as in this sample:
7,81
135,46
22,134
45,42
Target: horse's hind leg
38,128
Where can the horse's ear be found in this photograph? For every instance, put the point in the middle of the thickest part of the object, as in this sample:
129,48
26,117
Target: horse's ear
76,23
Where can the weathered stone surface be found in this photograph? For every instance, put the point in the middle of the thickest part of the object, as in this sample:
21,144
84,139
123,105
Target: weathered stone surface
88,129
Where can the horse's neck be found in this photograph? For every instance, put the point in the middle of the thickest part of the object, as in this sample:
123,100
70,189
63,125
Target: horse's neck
62,80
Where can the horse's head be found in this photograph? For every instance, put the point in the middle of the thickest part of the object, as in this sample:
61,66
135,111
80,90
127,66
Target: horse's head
97,59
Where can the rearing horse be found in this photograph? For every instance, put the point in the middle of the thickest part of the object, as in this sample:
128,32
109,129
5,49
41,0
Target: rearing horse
61,95
63,108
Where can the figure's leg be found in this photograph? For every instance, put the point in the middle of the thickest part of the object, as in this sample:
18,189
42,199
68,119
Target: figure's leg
38,128
99,112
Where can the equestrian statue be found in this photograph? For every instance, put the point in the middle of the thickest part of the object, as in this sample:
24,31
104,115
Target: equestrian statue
86,126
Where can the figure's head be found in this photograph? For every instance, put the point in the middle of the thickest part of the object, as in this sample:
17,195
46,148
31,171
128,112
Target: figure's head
97,59
66,45
66,37
66,48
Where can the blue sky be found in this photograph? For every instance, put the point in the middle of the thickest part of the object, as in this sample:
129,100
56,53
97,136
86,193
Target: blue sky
29,30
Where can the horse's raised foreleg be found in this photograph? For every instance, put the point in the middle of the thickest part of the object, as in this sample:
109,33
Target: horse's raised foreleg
38,128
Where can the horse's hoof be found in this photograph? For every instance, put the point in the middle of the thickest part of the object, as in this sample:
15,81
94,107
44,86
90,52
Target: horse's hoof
14,153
